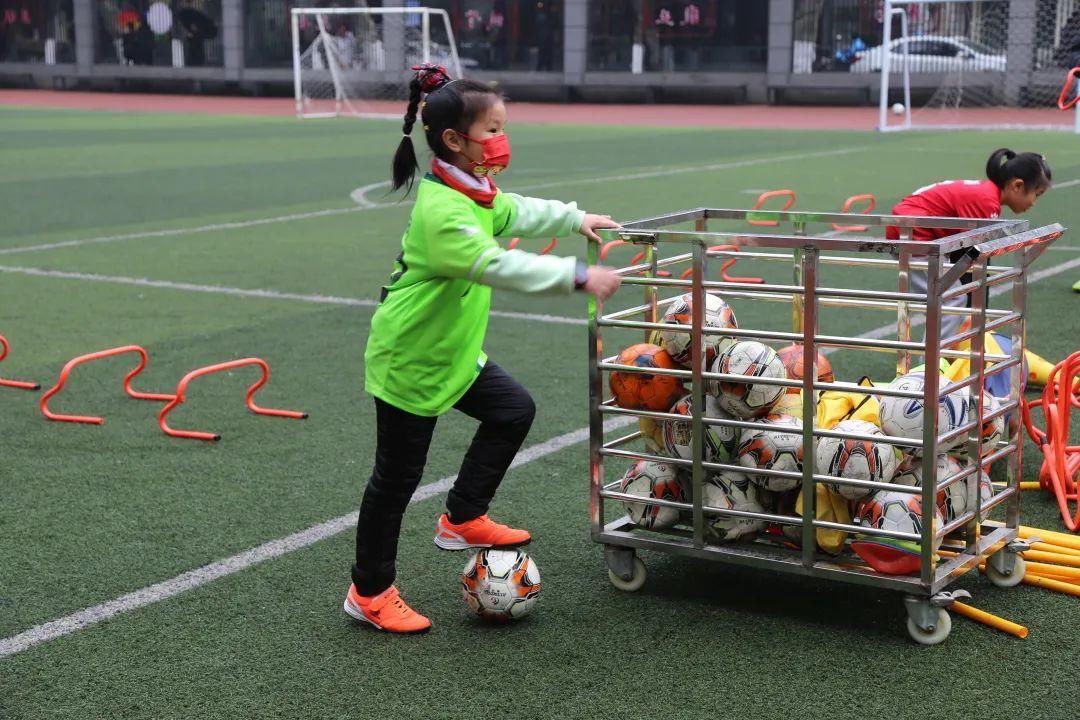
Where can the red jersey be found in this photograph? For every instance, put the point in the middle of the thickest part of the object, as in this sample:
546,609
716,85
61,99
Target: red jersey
952,198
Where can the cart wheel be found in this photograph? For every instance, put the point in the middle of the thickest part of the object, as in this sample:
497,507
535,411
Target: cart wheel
636,581
941,630
1001,579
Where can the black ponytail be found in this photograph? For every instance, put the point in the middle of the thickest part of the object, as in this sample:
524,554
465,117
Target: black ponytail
1005,165
447,104
405,165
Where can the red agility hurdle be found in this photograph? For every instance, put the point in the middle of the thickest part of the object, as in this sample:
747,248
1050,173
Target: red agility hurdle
71,364
871,203
514,242
788,204
20,384
177,399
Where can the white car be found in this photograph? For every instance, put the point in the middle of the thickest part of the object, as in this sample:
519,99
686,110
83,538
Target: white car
932,53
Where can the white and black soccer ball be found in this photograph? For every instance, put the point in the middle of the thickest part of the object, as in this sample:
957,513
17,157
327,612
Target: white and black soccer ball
956,499
899,512
500,585
652,480
778,447
755,361
677,341
905,417
719,443
990,430
854,459
731,491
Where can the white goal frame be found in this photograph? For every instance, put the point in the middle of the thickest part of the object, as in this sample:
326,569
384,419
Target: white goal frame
342,104
893,8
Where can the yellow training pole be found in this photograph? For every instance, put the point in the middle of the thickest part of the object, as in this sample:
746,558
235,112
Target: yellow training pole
1033,485
1051,557
1049,584
986,618
1051,548
1050,536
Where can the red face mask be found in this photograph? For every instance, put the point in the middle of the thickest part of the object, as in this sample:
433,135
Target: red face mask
496,154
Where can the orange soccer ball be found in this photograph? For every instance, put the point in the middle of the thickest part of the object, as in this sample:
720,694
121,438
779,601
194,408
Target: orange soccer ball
645,391
792,357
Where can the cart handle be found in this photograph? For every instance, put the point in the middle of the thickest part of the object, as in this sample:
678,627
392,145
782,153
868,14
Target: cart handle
871,203
21,385
220,367
1064,101
71,364
789,194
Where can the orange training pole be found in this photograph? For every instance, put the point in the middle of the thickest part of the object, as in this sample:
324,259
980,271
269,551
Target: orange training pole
199,372
988,619
20,384
789,194
71,364
871,203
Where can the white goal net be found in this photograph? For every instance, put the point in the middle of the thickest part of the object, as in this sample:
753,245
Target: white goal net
975,64
347,60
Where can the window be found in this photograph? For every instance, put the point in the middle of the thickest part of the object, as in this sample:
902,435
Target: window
677,35
182,33
37,31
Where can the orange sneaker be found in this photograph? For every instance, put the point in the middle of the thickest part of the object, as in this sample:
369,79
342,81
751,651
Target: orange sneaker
386,611
481,532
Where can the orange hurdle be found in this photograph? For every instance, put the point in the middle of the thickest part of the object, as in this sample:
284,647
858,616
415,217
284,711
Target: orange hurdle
725,267
789,194
607,247
182,386
66,371
1064,101
871,203
514,242
20,384
1060,471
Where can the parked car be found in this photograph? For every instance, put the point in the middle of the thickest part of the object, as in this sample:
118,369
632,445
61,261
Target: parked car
932,53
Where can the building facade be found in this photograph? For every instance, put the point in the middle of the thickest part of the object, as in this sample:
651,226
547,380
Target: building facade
754,51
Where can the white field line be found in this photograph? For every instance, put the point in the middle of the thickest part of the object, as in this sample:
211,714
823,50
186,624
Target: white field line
1066,184
276,548
368,205
255,293
267,551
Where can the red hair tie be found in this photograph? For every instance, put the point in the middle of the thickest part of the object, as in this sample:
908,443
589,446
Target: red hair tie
431,76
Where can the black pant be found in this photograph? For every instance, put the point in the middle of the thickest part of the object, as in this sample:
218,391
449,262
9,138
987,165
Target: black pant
505,411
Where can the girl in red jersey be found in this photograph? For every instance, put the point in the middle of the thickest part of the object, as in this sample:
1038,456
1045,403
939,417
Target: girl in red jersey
1013,180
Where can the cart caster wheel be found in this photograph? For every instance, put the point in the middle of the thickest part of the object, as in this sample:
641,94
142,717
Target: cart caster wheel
1001,579
942,628
636,581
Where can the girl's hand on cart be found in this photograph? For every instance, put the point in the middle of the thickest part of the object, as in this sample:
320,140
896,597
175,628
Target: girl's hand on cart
592,223
601,282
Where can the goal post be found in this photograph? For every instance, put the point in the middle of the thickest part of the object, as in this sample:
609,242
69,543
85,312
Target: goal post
345,60
975,64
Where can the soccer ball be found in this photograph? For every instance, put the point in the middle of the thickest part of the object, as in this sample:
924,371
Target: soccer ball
748,399
652,480
731,491
900,512
500,585
792,357
903,417
720,442
718,314
644,391
952,502
773,450
991,430
854,459
898,108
